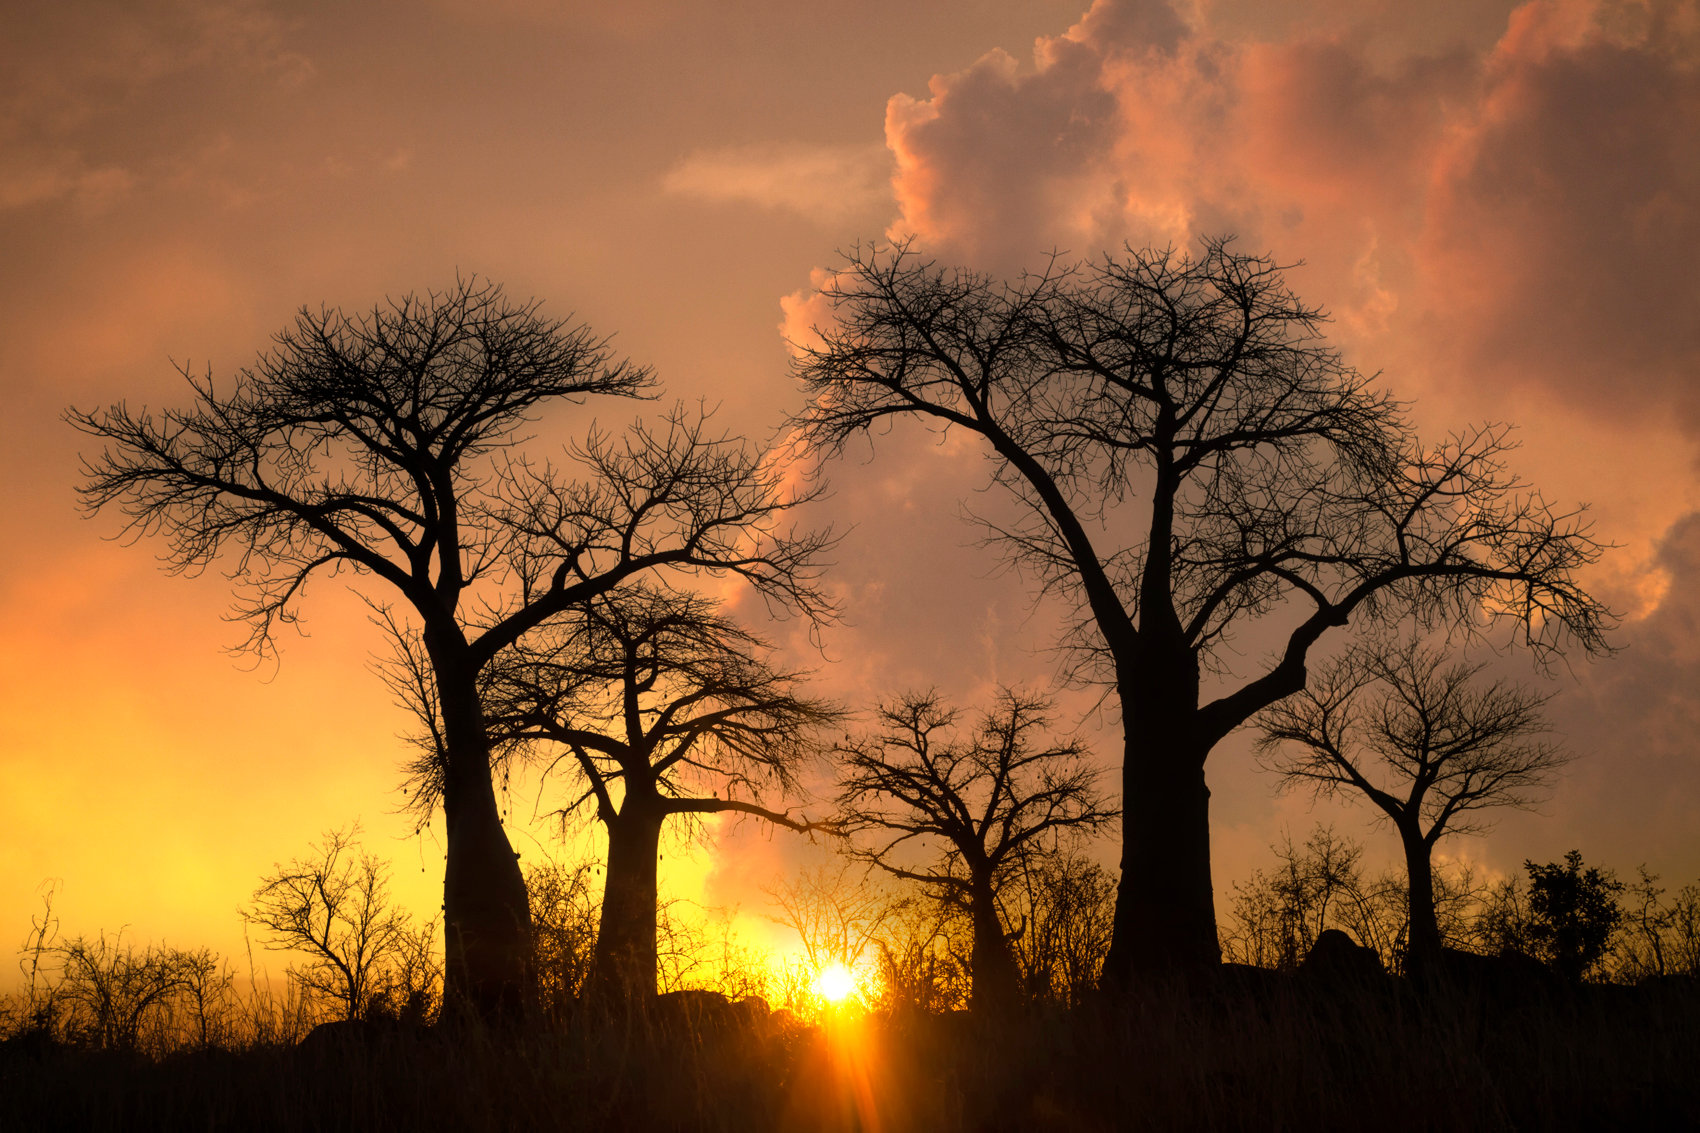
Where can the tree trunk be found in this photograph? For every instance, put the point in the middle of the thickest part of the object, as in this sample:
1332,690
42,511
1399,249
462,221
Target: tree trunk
996,984
624,971
1165,924
486,913
1422,946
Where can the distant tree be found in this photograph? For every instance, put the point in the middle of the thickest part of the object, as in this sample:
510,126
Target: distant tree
563,933
976,811
1659,936
111,991
835,914
1275,916
661,707
1573,914
919,963
1191,457
333,907
381,446
1422,738
1067,904
205,990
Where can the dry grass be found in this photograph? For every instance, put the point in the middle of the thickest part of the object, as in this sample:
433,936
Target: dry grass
1259,1052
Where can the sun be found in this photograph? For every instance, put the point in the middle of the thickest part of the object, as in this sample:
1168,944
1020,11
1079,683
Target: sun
835,982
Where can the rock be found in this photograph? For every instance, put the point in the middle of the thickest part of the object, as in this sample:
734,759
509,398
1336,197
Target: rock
1337,958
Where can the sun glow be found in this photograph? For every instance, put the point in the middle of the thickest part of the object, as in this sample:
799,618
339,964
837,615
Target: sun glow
835,983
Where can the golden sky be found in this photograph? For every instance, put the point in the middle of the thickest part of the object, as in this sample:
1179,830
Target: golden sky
1500,204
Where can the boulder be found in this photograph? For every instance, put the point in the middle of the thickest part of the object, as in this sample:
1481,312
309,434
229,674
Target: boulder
1337,958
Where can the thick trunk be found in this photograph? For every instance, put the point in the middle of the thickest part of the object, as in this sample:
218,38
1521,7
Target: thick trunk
996,986
1165,922
624,971
486,913
1422,947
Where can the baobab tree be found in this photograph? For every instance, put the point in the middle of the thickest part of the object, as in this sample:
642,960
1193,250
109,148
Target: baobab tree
381,447
1426,741
966,816
1190,457
661,708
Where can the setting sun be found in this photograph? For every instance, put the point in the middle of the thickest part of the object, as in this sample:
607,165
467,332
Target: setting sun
835,982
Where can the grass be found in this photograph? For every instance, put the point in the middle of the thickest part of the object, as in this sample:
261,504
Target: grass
1262,1052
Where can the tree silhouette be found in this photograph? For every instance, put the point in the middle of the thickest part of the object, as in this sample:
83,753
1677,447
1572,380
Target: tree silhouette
333,906
1276,916
664,707
1573,913
1192,457
380,446
991,802
1425,742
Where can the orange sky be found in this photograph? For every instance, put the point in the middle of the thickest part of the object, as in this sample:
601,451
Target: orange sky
1501,207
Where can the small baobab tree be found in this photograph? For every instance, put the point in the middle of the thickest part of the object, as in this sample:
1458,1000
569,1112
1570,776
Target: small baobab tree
966,816
1426,741
660,707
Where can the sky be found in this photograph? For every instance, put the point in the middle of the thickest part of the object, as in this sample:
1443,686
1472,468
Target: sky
1499,205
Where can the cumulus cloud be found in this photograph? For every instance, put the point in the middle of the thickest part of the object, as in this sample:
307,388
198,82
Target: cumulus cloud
829,184
1564,217
1527,214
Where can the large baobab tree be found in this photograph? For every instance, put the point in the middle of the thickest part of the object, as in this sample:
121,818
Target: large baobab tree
966,816
1426,741
661,707
1191,458
381,446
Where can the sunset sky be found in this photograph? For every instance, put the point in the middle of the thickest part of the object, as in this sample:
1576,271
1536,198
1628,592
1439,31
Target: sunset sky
1499,204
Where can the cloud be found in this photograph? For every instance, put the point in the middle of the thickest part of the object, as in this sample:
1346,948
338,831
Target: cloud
1632,720
831,185
1563,221
1526,214
59,107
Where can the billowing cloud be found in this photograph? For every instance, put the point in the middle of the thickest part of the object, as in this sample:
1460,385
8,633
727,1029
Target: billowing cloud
829,184
1528,215
1563,218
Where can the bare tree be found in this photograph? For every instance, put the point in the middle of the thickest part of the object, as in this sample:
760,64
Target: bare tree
333,906
1659,938
111,991
836,915
1190,456
380,446
919,963
1275,916
1423,739
1068,903
563,933
979,809
663,708
206,993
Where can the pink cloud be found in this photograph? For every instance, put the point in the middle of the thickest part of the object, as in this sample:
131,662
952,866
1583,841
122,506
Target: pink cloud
1564,215
1528,215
